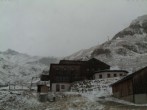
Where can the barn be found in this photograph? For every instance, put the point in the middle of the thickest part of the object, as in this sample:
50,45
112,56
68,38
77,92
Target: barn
133,87
67,71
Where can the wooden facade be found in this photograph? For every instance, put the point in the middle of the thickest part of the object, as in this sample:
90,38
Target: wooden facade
44,77
64,73
43,84
140,82
42,89
68,71
133,87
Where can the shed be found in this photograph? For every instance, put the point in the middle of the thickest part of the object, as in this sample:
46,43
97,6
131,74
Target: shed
133,87
42,89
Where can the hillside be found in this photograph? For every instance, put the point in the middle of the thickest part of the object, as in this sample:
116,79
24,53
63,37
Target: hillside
126,50
18,67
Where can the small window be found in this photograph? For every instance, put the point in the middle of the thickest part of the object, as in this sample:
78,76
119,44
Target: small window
62,86
120,74
108,75
115,75
100,76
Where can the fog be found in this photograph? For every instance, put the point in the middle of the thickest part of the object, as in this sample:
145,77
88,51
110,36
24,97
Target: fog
61,27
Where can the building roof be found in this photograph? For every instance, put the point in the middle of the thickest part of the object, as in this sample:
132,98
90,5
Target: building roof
98,61
76,63
130,76
82,62
71,62
111,71
64,64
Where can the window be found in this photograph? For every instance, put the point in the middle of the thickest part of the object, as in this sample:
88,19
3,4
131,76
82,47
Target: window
100,76
120,74
108,75
115,75
62,86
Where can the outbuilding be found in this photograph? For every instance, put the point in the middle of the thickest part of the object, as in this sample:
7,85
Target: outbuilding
133,87
43,87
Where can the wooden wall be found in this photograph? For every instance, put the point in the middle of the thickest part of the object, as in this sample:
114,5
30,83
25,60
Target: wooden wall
140,82
43,89
65,73
123,89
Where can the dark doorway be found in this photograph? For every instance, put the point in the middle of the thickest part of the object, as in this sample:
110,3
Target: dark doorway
108,75
57,87
39,89
100,76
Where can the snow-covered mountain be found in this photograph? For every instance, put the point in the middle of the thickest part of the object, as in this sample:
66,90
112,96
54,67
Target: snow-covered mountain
18,67
126,50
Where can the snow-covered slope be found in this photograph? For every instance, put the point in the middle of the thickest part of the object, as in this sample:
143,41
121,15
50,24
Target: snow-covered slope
99,87
18,67
126,50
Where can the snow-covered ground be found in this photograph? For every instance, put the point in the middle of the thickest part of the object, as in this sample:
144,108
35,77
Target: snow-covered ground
84,95
26,100
17,101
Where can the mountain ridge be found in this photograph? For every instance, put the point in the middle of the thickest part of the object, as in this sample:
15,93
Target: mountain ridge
16,67
124,50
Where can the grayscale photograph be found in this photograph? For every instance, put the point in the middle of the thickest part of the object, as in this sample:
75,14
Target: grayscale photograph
73,54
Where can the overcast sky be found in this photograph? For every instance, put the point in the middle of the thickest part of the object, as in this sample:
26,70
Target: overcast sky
62,27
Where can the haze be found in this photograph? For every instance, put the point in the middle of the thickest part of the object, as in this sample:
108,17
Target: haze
61,27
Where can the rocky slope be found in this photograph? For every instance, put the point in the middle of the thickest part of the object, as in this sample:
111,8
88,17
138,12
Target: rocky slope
18,67
126,50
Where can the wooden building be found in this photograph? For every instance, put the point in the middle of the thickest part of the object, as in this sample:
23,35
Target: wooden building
43,84
67,71
44,77
42,88
132,87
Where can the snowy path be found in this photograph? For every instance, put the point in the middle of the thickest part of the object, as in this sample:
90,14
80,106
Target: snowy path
71,101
